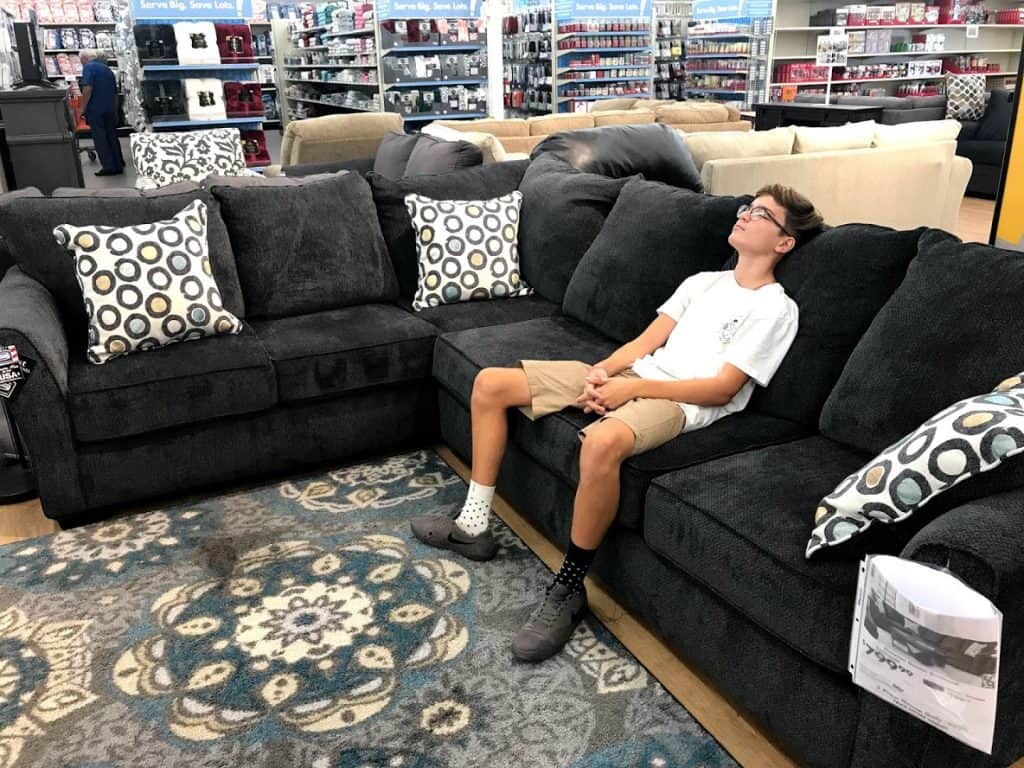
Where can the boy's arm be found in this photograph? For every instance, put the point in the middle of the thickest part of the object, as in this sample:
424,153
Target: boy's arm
716,390
653,337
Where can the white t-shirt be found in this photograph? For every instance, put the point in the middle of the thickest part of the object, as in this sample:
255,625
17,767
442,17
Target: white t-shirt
717,322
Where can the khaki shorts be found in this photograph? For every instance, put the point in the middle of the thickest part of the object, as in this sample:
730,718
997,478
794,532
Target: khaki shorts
555,384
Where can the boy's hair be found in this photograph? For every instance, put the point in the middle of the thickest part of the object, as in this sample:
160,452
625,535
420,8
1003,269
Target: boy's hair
802,218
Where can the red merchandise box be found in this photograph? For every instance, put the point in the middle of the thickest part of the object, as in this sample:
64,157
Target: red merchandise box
243,99
254,148
235,43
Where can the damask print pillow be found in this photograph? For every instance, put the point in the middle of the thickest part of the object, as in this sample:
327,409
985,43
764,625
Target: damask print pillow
147,285
468,249
971,436
167,158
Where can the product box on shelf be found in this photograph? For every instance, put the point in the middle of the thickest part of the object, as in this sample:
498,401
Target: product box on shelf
164,100
156,44
857,15
473,65
918,13
857,42
254,148
234,41
1010,16
243,99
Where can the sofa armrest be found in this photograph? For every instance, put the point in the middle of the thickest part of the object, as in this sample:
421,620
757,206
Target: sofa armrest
29,320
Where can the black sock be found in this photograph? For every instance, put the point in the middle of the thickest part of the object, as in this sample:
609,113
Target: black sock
574,568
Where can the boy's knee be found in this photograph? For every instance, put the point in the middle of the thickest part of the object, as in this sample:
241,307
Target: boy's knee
487,386
606,448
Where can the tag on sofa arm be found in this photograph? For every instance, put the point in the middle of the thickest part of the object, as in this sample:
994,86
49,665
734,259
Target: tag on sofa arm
14,369
928,644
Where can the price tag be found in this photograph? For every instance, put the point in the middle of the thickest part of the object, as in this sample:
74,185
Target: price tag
972,30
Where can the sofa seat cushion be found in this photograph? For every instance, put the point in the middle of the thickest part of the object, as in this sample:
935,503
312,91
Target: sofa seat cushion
739,525
345,350
553,441
480,314
169,387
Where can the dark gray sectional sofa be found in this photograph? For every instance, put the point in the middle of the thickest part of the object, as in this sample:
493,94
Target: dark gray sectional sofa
708,547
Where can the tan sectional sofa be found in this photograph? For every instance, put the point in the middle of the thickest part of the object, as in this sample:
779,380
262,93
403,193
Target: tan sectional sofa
519,135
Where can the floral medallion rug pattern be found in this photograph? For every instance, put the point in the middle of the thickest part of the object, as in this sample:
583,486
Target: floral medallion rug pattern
302,625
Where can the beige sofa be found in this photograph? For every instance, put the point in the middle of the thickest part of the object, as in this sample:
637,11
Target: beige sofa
522,135
334,138
900,176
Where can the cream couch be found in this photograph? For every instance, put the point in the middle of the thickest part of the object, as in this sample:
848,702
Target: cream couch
522,135
901,176
334,138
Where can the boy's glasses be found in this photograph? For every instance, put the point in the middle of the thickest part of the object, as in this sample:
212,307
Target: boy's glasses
758,212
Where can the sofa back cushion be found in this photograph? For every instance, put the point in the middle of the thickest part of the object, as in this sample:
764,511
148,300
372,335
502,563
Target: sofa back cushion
995,125
433,155
27,225
483,182
655,237
307,248
725,144
839,281
545,125
393,154
563,210
917,132
849,136
623,117
952,329
691,113
658,152
500,128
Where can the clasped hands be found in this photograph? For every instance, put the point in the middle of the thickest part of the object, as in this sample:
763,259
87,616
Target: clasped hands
602,393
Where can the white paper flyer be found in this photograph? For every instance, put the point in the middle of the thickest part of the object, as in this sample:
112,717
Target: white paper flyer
927,643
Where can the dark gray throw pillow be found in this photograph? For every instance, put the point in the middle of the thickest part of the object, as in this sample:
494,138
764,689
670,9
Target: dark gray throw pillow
655,237
393,154
434,155
839,280
655,151
484,182
563,210
27,225
307,248
951,330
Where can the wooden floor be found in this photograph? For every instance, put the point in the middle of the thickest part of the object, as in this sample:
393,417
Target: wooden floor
744,741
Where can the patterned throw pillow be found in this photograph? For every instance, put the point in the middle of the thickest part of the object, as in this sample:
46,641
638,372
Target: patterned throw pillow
965,97
468,249
972,436
167,158
148,285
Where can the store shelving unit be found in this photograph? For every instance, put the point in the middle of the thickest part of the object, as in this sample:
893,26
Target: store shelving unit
54,52
727,60
671,19
526,60
795,39
363,65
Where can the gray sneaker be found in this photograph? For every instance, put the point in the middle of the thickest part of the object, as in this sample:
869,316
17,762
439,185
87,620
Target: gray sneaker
550,625
442,532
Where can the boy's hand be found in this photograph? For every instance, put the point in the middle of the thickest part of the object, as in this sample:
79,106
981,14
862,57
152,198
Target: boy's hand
595,377
616,392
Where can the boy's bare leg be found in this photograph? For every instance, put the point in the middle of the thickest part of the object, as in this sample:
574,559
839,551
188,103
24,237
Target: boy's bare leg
495,390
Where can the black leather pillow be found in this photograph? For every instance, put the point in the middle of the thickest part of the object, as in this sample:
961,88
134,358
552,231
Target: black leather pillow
839,280
563,210
27,225
433,155
309,247
393,154
481,183
655,151
952,329
655,237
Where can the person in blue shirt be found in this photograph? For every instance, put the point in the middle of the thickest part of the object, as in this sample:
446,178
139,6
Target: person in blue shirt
99,105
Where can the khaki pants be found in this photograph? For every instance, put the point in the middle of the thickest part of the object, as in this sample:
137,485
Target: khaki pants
555,384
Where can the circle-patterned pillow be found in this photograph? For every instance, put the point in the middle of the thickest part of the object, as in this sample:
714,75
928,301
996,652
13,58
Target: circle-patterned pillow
971,436
148,285
468,249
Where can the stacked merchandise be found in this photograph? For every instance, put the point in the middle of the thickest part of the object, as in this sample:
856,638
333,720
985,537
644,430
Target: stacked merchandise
744,80
10,65
671,20
602,59
526,62
434,67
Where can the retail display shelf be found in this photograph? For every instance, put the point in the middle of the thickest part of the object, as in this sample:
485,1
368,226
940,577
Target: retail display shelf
841,81
427,83
637,95
617,33
329,104
567,51
810,56
309,30
202,123
449,116
79,24
725,91
720,56
330,82
641,78
601,67
197,67
736,72
722,36
901,26
433,48
351,33
330,66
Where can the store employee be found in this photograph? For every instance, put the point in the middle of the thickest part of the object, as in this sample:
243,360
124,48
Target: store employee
99,105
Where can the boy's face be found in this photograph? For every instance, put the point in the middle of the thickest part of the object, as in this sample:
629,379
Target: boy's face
759,230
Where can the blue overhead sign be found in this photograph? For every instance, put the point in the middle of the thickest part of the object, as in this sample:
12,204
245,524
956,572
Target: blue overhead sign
602,9
429,9
191,10
730,9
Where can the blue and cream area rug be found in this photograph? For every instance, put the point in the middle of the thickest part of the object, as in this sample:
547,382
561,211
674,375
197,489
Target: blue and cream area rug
301,625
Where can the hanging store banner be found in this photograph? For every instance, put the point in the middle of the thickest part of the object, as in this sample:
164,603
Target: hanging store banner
429,9
602,9
191,10
1008,223
721,10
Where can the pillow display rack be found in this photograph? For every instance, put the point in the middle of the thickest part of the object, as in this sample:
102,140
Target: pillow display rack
468,249
148,285
972,436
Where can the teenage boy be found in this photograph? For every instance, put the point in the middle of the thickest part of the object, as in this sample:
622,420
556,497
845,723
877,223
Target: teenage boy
715,337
